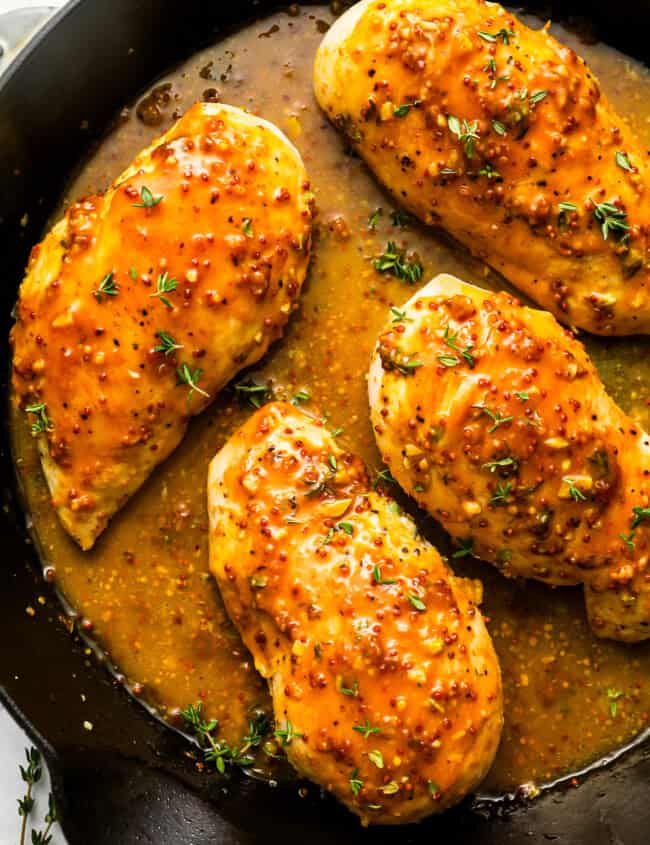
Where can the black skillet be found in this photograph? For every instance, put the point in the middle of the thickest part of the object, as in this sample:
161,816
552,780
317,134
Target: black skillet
129,780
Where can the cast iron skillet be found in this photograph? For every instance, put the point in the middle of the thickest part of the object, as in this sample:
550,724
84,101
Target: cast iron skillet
130,780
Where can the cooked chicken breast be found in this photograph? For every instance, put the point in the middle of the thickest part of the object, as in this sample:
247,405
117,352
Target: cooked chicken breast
493,417
142,303
386,688
501,135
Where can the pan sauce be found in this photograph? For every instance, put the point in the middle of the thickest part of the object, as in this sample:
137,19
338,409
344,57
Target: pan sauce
144,592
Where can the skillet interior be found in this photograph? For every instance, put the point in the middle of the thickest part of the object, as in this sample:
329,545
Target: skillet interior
129,781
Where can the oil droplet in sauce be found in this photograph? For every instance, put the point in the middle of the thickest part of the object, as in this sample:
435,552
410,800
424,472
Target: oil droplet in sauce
145,587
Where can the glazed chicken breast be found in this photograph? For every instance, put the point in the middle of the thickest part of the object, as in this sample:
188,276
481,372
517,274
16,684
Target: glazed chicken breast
386,688
501,135
493,417
142,303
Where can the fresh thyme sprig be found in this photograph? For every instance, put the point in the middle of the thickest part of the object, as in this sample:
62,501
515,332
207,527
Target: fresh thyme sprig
611,219
467,133
191,378
167,343
393,262
218,751
106,287
42,423
253,393
31,775
147,199
164,285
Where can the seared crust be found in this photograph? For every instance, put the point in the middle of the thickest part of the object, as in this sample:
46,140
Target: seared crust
501,135
354,620
494,419
228,230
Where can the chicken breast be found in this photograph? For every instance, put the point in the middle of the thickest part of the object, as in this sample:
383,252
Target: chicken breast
493,417
501,135
142,303
385,685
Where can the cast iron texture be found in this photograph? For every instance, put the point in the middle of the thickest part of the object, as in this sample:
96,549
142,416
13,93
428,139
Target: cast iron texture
128,780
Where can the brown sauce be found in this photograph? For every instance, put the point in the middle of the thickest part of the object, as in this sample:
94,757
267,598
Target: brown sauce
144,592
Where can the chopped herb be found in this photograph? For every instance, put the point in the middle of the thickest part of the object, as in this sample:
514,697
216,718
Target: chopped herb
377,577
167,343
433,788
218,751
522,395
493,466
366,729
537,97
504,34
640,514
42,423
567,206
392,261
356,785
255,394
400,219
613,695
489,171
400,316
611,219
405,108
499,128
352,691
107,287
419,488
287,734
500,496
623,161
148,199
450,339
373,218
628,539
164,285
467,133
318,651
191,378
466,548
377,758
247,227
575,492
383,477
133,273
337,431
300,396
394,360
490,66
328,537
331,460
346,527
496,418
417,603
448,360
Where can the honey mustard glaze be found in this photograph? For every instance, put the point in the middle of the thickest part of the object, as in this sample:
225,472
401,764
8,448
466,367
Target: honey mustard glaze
144,591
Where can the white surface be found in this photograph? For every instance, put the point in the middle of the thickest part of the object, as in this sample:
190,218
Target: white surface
13,740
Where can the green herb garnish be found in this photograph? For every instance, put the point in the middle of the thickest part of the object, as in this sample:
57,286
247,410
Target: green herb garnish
191,378
287,734
503,33
392,261
164,285
42,423
167,344
623,161
467,133
107,287
611,219
405,108
366,729
148,199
